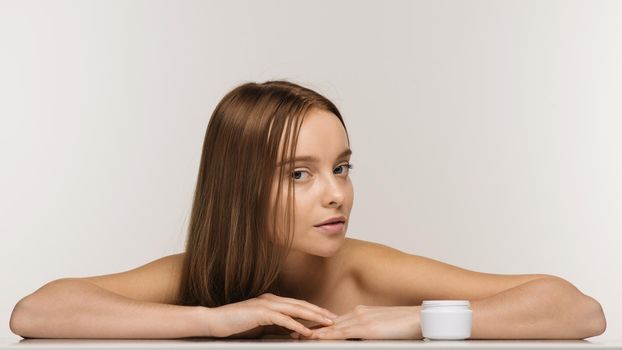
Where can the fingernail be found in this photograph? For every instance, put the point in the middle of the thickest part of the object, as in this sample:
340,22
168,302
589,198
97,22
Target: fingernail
333,315
328,320
294,335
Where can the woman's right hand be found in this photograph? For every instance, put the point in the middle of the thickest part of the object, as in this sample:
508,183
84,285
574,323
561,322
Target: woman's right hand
250,318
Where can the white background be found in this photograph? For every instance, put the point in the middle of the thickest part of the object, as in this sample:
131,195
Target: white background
486,134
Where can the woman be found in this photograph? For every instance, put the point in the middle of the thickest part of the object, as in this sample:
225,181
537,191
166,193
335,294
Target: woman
267,254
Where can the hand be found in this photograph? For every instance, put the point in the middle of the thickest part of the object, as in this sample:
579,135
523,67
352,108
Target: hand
250,318
372,322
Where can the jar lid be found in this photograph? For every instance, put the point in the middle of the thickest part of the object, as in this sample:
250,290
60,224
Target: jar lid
433,303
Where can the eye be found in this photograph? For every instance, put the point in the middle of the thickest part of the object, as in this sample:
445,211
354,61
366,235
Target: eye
345,168
296,174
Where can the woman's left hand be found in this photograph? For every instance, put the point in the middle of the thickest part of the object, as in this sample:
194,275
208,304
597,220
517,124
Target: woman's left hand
372,322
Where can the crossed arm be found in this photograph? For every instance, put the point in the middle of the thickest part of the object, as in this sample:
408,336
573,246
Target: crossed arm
504,306
544,308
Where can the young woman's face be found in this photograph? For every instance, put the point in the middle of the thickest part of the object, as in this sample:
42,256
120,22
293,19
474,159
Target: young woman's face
322,185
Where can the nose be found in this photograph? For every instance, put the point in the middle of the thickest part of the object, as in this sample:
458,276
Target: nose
333,193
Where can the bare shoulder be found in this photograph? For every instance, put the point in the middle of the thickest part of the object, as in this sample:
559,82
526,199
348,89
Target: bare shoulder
354,245
356,254
156,281
357,250
407,279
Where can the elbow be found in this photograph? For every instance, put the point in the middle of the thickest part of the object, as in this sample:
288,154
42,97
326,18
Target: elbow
587,318
26,313
20,319
595,316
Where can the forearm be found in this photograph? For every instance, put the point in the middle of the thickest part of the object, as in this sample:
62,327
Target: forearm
71,308
546,308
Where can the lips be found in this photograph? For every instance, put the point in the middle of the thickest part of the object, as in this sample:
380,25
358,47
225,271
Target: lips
332,220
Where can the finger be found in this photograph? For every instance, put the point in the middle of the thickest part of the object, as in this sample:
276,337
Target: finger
297,335
288,322
340,330
345,320
324,312
307,304
335,333
276,329
342,318
300,312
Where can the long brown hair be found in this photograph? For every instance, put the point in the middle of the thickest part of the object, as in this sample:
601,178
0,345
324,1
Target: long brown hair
232,252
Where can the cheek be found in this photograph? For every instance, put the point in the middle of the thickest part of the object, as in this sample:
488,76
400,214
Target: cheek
303,204
302,207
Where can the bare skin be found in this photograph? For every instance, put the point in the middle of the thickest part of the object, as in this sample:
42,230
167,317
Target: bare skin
323,189
333,285
374,290
319,265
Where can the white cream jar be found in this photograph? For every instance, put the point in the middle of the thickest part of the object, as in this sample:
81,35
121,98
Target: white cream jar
446,319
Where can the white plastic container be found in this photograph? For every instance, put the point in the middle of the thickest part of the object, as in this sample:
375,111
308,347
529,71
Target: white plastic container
446,319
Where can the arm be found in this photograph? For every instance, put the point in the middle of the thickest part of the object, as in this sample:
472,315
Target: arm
546,308
71,308
533,306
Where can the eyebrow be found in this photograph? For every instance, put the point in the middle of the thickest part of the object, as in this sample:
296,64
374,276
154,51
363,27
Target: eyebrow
345,153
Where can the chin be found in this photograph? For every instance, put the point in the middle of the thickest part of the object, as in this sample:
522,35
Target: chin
329,249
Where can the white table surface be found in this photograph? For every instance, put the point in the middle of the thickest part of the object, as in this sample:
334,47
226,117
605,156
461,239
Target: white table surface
207,343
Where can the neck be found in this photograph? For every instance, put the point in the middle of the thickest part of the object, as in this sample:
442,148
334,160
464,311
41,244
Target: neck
301,273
